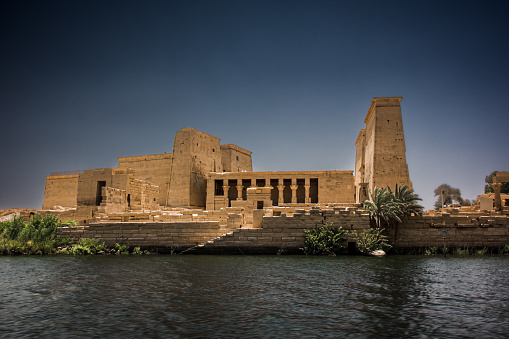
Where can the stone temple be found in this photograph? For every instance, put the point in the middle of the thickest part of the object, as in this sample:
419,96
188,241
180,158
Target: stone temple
205,198
203,174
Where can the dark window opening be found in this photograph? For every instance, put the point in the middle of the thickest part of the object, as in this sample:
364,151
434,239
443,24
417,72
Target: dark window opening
232,191
219,188
301,191
260,182
245,184
128,200
99,197
274,193
287,191
259,205
313,190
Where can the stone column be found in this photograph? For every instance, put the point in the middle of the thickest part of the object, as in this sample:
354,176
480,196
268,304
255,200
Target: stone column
226,190
281,188
239,190
294,187
498,200
307,186
253,182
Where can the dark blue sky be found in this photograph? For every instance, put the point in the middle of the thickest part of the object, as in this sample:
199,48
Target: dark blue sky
85,82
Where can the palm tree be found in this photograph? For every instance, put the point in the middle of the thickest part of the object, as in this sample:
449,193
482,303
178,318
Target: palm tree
382,206
406,199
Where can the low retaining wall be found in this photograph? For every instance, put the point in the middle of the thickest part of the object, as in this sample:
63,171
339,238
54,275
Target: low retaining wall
462,231
286,234
161,236
283,234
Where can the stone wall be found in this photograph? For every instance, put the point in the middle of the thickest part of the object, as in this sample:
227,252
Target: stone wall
462,231
383,146
142,194
336,187
60,191
153,168
194,155
89,184
285,232
114,200
235,159
163,236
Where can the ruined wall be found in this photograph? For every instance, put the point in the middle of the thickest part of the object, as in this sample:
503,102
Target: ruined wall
141,194
114,200
88,184
336,187
462,231
194,155
384,149
177,235
60,191
154,168
235,159
284,234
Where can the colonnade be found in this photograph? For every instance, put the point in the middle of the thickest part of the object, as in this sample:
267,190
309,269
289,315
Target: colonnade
267,183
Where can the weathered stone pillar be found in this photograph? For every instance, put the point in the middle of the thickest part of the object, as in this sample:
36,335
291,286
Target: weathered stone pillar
307,186
253,182
498,200
226,190
239,190
281,188
294,187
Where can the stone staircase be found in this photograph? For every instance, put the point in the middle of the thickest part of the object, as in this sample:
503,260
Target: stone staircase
200,248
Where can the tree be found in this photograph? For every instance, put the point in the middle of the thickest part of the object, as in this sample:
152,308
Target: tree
489,187
468,202
382,206
406,199
450,194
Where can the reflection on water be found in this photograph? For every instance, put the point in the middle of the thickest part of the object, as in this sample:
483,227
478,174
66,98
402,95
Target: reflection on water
255,296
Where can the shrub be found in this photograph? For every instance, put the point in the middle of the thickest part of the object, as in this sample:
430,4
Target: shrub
371,240
137,250
38,236
325,240
462,251
122,248
94,245
431,250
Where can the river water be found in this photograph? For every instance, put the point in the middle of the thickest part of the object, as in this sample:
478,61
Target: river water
172,296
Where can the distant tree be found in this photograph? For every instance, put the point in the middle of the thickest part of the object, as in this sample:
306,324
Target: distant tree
489,187
468,202
450,195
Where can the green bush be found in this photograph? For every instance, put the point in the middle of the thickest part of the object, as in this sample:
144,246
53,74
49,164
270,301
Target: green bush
94,245
431,250
38,236
326,240
371,240
122,248
462,251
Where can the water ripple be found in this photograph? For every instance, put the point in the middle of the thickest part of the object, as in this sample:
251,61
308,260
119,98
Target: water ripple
255,296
